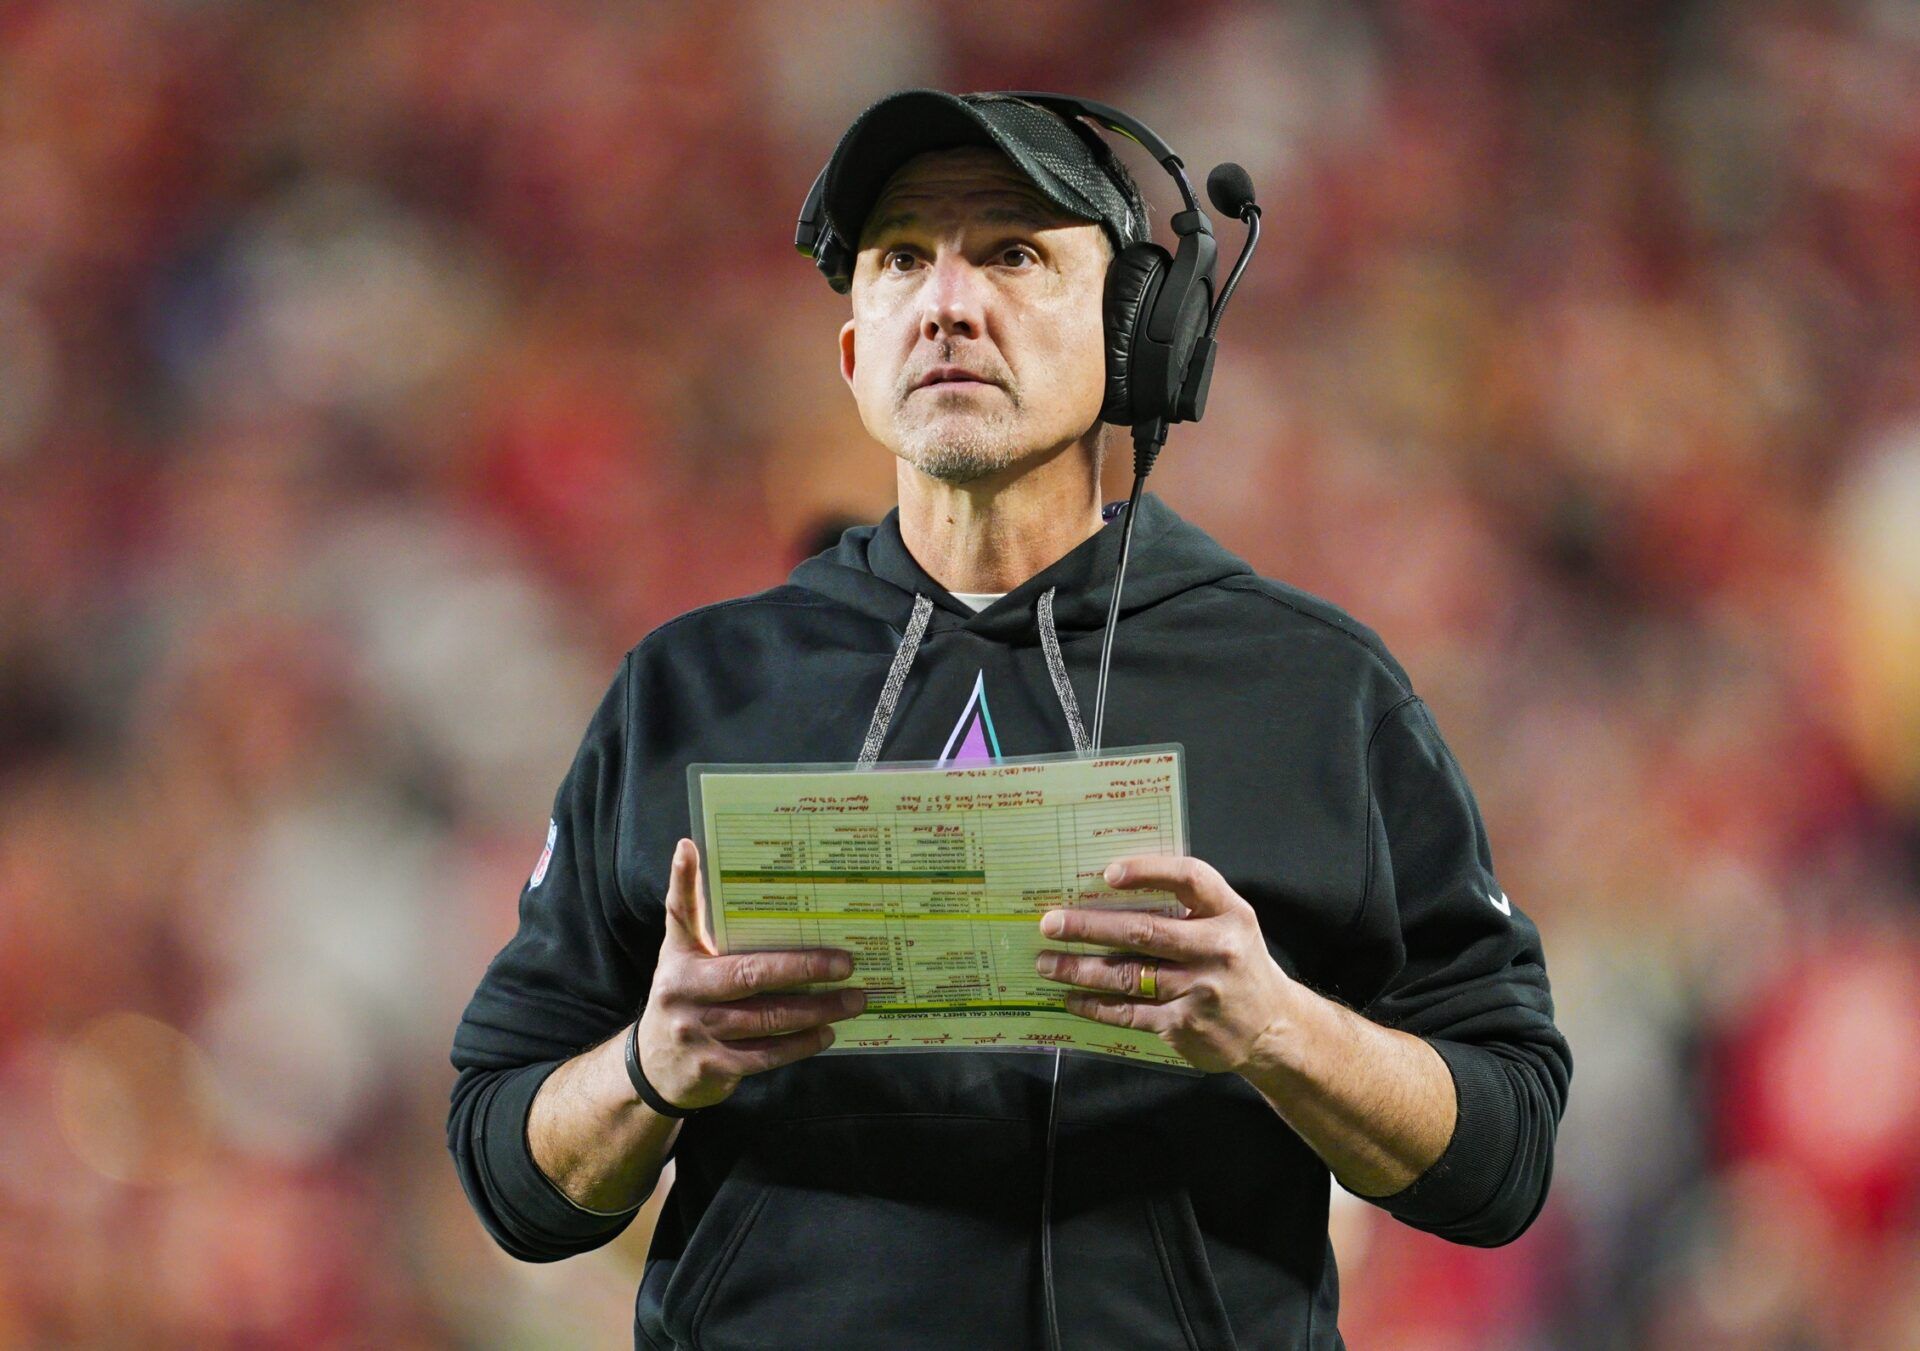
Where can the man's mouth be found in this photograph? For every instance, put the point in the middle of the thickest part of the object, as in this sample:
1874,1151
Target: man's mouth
951,375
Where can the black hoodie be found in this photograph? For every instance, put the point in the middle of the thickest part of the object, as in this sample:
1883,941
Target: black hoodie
888,1201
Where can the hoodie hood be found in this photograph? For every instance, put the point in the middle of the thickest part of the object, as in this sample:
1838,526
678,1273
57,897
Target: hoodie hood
871,570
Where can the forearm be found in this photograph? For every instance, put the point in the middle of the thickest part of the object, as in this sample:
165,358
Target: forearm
1377,1105
593,1137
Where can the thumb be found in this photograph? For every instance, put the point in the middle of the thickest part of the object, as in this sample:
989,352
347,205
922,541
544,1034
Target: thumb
684,899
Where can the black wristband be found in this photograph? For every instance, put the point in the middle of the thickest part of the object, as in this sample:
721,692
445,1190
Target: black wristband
648,1093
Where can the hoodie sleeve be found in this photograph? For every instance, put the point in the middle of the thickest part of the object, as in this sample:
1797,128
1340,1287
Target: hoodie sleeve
577,969
1472,982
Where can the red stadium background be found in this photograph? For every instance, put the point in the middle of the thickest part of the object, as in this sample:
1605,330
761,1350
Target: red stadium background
373,375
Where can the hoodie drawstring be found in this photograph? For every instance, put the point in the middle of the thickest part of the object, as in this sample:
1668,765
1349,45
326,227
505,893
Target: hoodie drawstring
910,646
896,678
1057,668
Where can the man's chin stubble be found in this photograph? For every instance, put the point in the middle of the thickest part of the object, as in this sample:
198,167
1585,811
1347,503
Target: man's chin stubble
961,450
961,454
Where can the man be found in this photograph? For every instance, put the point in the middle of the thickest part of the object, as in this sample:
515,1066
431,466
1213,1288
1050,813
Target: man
1365,999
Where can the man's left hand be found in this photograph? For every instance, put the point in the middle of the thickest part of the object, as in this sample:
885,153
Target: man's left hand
1218,990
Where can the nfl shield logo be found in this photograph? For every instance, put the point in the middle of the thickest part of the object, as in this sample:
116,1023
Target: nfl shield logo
546,856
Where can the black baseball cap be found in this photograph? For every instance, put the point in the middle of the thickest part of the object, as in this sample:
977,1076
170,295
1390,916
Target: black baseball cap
1068,164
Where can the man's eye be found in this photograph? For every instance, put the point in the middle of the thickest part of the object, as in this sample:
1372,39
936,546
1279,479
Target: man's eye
893,256
1018,256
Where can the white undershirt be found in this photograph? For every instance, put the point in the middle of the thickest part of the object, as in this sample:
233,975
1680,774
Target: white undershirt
979,600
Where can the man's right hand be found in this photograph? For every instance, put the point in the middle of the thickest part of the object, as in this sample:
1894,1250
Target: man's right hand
711,1020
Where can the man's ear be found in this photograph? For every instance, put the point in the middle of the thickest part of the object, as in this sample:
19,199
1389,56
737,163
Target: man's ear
846,353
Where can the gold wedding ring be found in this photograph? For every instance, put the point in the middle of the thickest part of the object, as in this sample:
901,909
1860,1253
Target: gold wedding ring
1149,980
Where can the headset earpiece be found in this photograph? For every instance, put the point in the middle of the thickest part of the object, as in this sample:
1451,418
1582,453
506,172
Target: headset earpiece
815,238
1156,310
1134,278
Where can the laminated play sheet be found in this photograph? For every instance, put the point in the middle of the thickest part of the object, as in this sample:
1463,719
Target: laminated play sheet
935,878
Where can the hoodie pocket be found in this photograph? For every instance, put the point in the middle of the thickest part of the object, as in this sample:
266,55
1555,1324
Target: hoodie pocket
866,1231
1183,1261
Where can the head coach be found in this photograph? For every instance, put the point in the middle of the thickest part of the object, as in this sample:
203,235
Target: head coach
1365,1000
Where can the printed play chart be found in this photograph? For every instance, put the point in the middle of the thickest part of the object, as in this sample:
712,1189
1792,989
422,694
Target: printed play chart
935,880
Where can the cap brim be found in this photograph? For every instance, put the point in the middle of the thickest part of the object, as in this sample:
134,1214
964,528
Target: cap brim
913,122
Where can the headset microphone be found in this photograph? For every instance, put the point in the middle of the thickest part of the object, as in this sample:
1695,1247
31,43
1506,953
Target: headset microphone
1230,189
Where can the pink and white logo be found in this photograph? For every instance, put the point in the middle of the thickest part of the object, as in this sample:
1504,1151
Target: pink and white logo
973,740
546,856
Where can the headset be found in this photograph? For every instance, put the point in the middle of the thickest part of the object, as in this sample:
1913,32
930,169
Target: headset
1160,315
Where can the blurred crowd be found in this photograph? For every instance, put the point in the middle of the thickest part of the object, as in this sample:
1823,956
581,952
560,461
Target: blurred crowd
373,375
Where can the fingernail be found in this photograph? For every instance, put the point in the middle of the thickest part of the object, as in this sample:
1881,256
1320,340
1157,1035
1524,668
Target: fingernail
1052,923
839,966
679,851
829,1037
1116,873
1047,963
852,1001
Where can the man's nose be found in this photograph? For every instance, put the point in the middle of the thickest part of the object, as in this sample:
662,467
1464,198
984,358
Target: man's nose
952,303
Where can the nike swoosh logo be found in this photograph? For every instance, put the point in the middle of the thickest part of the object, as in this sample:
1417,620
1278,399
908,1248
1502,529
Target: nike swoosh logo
1503,905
